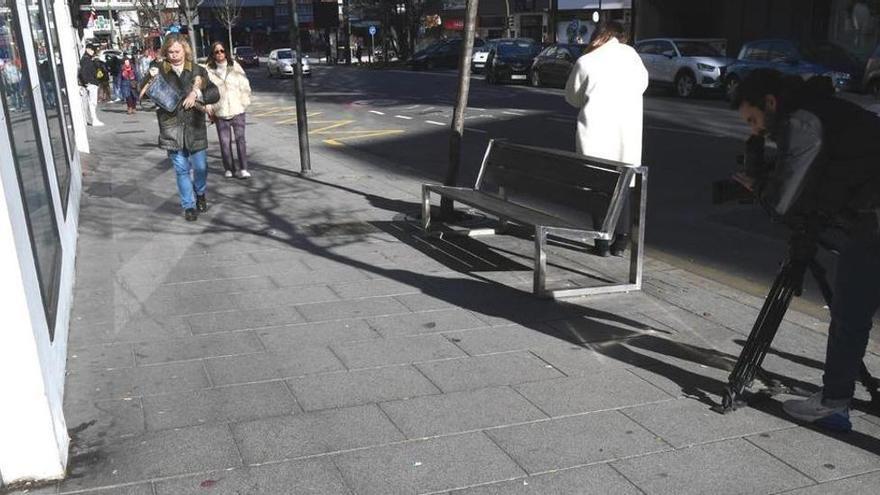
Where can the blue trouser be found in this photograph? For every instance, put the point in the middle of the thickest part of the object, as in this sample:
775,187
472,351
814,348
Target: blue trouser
187,187
856,299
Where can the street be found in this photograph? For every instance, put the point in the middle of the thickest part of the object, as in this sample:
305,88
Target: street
401,118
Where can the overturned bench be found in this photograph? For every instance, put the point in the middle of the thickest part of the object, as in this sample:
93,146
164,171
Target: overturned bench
558,194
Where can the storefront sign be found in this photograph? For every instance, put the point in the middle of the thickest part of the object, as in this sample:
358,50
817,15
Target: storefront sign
594,4
453,24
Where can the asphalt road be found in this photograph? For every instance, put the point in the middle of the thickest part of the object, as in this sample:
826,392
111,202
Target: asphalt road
400,119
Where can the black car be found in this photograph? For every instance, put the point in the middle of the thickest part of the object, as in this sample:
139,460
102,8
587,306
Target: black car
246,56
511,60
443,54
553,65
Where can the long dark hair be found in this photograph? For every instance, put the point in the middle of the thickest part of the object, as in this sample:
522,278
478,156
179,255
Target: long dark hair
605,32
212,62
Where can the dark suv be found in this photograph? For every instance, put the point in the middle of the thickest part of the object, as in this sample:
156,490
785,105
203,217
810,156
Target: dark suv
511,60
821,58
246,56
443,54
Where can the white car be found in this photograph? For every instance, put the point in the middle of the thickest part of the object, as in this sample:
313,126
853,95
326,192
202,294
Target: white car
685,65
281,62
481,56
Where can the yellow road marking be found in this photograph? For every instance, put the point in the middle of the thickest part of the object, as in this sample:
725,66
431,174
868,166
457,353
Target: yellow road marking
293,119
361,135
277,110
339,123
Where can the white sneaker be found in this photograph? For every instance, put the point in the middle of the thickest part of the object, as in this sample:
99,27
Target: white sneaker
828,413
243,174
97,123
228,174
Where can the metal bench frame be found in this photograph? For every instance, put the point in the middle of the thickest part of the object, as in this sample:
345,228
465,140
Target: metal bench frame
638,194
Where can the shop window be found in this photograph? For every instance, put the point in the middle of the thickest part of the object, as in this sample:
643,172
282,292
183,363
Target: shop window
30,164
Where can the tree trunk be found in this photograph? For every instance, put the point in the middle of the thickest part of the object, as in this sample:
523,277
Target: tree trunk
229,48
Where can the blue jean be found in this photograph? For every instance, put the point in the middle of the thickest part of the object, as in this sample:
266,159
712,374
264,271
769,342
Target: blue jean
187,187
856,299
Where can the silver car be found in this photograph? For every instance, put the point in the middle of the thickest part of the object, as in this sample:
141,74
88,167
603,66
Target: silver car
685,65
281,62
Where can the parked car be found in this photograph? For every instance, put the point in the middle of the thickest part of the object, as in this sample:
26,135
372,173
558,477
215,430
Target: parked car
481,54
443,54
685,65
280,63
806,60
511,60
246,56
871,80
553,65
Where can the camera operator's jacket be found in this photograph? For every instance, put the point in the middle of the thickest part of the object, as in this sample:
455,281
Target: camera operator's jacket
828,161
185,129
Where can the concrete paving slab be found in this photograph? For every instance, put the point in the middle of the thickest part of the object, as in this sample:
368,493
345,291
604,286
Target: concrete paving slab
133,382
426,466
243,319
271,365
139,489
388,352
308,477
100,357
506,339
358,308
825,456
269,299
353,388
134,328
424,302
865,484
290,437
729,467
219,287
487,371
218,405
327,277
372,288
575,360
227,344
460,411
424,322
88,421
592,480
289,338
575,441
609,389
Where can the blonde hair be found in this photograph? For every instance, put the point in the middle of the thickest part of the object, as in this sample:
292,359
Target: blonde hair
176,38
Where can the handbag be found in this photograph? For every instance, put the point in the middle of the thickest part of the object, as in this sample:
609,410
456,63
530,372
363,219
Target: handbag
163,94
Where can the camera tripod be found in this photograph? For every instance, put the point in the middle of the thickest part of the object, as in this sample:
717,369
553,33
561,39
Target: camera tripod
788,283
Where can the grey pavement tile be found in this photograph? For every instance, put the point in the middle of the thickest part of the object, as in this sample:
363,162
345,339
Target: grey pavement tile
585,329
487,371
592,480
88,421
358,308
243,319
686,422
730,467
152,455
289,437
460,411
352,388
373,288
685,379
216,287
101,357
323,277
138,489
426,466
425,322
282,297
136,328
41,488
507,338
218,405
576,440
865,484
226,344
825,456
132,382
403,350
289,338
306,477
575,360
609,389
272,365
424,302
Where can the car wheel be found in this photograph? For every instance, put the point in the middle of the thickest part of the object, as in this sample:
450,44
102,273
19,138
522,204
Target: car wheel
536,79
730,87
685,85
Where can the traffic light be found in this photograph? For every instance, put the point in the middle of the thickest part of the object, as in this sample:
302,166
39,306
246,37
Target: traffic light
510,22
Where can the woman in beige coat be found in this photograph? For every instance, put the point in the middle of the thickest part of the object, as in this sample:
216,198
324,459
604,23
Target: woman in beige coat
229,112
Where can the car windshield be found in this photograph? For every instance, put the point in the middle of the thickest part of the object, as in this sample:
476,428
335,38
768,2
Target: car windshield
244,50
826,54
516,49
285,54
697,49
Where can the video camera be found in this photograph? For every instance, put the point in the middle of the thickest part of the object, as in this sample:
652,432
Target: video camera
753,164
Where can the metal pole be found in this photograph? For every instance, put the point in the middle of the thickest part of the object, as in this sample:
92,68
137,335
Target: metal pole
302,122
464,83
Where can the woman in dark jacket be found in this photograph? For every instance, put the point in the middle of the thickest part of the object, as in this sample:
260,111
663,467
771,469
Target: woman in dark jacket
182,132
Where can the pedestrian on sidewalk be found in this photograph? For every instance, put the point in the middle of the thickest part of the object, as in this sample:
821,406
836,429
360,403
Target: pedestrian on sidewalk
114,67
128,85
229,112
607,85
88,78
359,53
182,131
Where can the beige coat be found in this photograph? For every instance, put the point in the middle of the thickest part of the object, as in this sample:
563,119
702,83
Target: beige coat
235,91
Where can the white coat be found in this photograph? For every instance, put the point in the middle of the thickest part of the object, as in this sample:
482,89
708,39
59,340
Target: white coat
235,90
607,84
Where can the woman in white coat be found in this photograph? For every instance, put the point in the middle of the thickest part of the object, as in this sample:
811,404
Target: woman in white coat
229,112
607,85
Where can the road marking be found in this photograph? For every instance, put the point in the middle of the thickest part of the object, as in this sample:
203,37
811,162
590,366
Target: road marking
365,134
473,129
377,112
339,123
277,110
404,117
434,123
563,120
508,112
293,119
478,109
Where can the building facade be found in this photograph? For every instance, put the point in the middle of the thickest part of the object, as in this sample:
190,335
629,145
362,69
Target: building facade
42,132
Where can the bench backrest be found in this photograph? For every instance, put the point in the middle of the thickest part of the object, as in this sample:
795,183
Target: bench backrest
572,183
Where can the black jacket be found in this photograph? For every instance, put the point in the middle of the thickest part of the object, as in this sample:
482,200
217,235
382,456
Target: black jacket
87,70
185,129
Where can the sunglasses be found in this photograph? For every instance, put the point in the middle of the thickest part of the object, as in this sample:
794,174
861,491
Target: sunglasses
219,51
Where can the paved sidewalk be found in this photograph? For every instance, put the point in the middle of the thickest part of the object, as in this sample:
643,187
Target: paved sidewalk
303,338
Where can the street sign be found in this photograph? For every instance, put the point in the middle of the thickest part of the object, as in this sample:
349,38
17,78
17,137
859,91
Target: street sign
372,30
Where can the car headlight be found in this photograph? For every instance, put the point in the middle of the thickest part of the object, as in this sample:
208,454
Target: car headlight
706,67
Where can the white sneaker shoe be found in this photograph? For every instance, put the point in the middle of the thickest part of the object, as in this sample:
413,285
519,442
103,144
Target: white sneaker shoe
228,174
832,414
97,123
243,174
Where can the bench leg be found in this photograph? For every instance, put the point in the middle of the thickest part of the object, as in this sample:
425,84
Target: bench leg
540,275
426,208
636,262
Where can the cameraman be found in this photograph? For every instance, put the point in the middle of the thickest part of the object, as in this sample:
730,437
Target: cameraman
827,170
